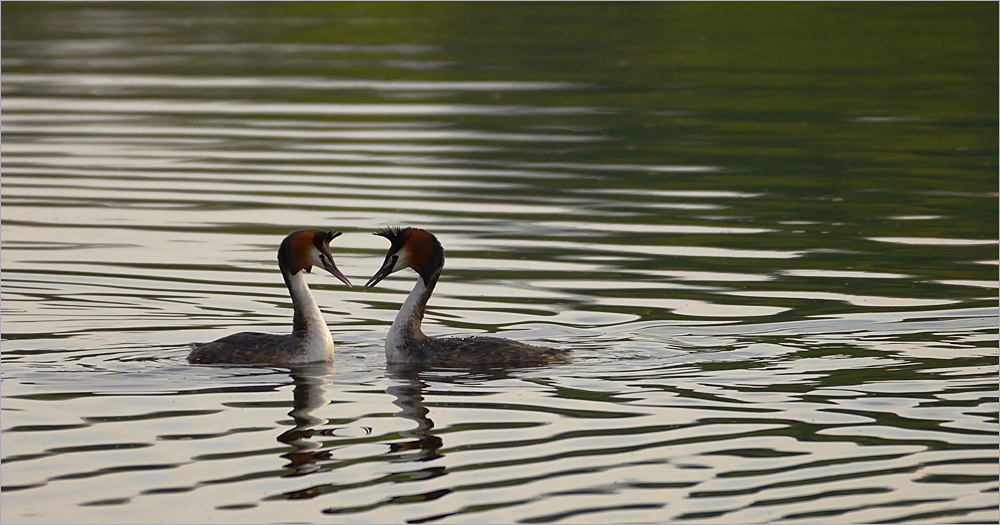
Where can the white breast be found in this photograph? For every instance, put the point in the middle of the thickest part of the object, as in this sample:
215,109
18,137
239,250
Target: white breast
318,343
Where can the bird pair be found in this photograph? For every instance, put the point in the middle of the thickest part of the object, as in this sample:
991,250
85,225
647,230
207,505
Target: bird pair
310,340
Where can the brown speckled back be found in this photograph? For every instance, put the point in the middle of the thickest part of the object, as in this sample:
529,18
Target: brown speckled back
478,351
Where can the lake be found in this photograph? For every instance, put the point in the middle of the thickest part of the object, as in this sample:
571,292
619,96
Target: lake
768,233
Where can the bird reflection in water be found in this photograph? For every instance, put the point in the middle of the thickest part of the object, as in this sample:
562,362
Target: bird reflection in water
409,397
307,396
409,394
417,444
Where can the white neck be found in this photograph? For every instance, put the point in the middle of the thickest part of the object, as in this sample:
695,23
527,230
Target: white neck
317,343
406,327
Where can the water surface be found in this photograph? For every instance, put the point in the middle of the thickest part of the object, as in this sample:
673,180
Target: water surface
768,233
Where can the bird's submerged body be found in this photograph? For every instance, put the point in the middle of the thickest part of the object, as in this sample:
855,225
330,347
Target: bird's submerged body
256,348
472,351
310,340
406,342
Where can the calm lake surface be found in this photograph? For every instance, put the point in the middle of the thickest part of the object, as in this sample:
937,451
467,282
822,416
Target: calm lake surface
769,233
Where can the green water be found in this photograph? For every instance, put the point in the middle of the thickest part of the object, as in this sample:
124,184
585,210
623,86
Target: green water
768,232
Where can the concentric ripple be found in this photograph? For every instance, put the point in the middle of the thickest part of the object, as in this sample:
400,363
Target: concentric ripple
778,276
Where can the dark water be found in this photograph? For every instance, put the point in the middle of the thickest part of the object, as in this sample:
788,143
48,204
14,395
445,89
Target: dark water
768,232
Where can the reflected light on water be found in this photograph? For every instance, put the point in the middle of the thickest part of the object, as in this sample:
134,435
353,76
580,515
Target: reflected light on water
776,269
220,108
928,241
175,82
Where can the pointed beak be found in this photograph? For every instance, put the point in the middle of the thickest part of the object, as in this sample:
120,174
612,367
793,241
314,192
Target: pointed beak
331,267
383,272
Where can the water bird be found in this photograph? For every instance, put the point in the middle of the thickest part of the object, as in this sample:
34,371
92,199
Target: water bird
406,343
310,340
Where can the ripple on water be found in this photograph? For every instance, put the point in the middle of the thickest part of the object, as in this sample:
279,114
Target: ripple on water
755,340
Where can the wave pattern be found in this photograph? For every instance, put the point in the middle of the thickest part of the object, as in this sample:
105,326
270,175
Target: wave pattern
747,350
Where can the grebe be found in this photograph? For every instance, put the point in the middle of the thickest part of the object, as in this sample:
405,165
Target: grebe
406,343
310,340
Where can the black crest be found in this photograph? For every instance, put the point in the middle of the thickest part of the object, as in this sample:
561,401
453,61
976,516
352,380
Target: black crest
396,235
323,238
428,255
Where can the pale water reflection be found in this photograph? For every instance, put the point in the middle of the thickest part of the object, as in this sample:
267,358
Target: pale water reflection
776,266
